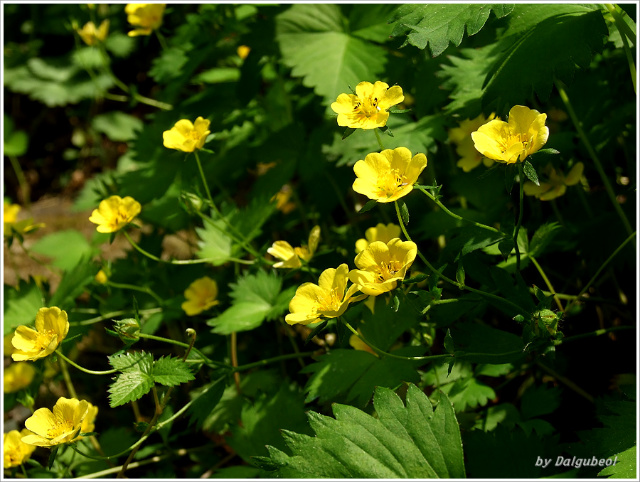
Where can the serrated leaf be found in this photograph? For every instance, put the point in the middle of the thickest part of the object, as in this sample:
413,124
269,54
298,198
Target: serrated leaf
542,237
168,65
317,44
448,342
129,386
625,465
170,372
437,25
405,441
351,375
134,361
531,173
117,125
387,323
214,244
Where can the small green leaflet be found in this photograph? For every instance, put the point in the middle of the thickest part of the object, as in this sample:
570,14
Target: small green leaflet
531,173
171,371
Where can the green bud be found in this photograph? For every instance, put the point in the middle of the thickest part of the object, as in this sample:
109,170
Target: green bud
128,330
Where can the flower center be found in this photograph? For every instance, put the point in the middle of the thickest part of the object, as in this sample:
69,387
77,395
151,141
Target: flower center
518,138
43,339
390,183
330,301
60,427
367,107
388,270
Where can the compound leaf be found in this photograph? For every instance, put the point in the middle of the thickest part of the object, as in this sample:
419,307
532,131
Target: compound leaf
171,371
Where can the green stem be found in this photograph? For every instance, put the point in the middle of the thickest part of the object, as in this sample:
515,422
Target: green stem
179,261
546,280
600,332
378,138
22,182
184,345
607,261
108,316
565,380
515,233
268,361
594,157
454,215
519,309
67,379
384,353
133,465
622,26
90,372
232,229
141,289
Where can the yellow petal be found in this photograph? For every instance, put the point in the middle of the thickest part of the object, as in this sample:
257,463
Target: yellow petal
371,257
574,175
40,422
314,239
344,104
391,97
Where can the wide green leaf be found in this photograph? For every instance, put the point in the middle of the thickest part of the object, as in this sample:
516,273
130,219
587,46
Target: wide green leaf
316,42
135,379
171,371
437,25
404,441
21,305
75,245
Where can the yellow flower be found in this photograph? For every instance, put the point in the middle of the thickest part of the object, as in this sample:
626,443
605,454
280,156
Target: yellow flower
367,109
201,295
58,427
556,185
146,16
101,277
470,158
379,233
8,347
243,51
114,213
515,140
327,299
291,256
92,35
18,376
388,175
282,199
16,452
11,223
382,265
89,422
52,325
185,136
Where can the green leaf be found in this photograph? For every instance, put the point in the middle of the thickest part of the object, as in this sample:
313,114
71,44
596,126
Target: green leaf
73,283
542,42
262,421
386,324
21,305
15,142
531,173
75,248
135,380
205,402
171,371
351,375
119,44
625,465
369,205
256,298
542,237
483,344
405,441
117,126
316,42
214,244
168,65
347,132
435,25
217,75
404,212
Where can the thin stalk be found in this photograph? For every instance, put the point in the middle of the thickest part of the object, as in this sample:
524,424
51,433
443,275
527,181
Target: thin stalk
98,319
25,190
184,345
515,233
141,289
234,360
178,261
449,280
600,332
90,372
625,32
378,139
548,283
269,361
133,465
384,353
67,379
454,215
566,381
607,261
594,157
